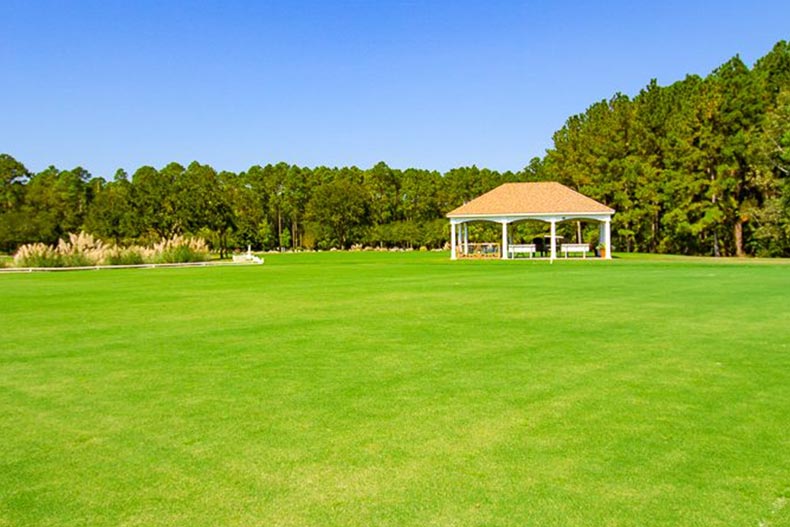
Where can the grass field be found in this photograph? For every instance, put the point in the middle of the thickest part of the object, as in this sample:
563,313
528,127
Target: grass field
344,389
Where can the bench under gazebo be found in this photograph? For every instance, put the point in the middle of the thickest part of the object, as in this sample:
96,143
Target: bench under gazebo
549,202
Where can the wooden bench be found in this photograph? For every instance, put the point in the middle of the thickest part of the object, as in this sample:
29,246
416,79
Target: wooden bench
528,248
575,248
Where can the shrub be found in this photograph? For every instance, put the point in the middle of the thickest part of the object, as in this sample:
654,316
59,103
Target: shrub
37,255
77,260
124,256
83,250
181,249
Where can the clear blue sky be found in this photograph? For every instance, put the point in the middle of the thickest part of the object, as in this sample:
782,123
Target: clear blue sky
416,83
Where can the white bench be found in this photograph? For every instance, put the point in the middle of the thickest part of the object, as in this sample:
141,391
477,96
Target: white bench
575,248
528,248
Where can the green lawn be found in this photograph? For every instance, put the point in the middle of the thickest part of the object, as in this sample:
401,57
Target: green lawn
398,389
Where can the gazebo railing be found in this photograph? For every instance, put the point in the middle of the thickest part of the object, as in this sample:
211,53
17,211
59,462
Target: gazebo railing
479,250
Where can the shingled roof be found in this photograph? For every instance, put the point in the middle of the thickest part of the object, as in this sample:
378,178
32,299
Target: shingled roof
530,198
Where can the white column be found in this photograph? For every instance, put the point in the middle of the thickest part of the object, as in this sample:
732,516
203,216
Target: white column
466,238
452,240
601,236
553,239
504,240
607,227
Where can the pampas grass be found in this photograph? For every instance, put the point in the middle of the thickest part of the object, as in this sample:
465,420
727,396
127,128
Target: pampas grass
37,255
180,249
124,255
83,250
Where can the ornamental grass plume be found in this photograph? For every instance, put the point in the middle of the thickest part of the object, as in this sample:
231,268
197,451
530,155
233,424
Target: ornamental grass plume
179,249
37,255
83,250
132,255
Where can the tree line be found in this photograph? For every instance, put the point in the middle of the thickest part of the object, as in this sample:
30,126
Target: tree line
278,206
696,167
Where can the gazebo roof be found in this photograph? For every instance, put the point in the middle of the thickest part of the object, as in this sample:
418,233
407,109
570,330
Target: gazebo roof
530,199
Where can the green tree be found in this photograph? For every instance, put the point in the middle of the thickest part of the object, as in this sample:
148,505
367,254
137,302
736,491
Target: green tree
247,198
381,184
202,203
111,213
13,176
294,200
154,195
337,209
55,204
13,220
737,184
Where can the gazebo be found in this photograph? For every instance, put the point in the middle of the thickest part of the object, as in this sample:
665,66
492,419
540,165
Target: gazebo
550,202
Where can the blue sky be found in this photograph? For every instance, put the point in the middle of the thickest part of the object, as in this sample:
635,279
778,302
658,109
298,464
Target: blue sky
429,84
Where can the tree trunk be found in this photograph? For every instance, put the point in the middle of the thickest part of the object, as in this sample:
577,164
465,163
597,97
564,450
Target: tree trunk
738,232
654,226
716,250
279,231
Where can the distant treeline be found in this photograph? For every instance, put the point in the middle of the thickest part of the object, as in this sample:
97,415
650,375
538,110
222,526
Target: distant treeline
698,167
267,207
